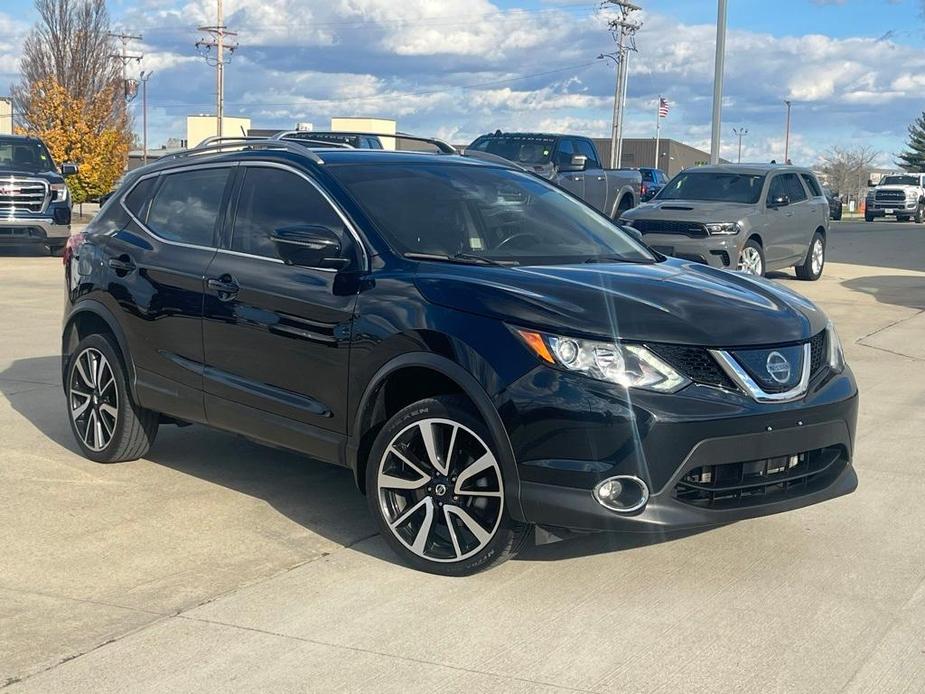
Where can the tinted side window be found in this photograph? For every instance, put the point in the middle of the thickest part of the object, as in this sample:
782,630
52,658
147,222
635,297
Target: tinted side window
272,199
794,189
188,204
138,199
586,148
811,183
566,150
647,175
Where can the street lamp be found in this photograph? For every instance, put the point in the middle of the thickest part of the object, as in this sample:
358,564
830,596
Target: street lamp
718,80
740,133
787,137
145,76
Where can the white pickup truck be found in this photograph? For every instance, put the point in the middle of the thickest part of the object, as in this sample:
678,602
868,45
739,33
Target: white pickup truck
897,195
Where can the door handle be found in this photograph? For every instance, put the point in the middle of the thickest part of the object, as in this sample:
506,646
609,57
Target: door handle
224,286
601,178
576,178
122,264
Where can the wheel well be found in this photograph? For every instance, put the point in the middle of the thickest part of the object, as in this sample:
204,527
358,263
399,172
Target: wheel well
82,325
625,203
821,231
398,390
756,239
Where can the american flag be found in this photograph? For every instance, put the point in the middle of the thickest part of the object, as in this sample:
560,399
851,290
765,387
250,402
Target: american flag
662,107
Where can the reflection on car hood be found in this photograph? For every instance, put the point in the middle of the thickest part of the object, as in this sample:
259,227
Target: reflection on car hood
690,210
52,176
672,301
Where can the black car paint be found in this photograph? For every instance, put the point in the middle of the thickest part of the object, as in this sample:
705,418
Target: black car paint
328,343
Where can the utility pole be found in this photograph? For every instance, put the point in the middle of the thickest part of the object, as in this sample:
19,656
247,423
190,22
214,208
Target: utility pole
219,33
145,76
740,133
718,80
787,136
128,87
623,29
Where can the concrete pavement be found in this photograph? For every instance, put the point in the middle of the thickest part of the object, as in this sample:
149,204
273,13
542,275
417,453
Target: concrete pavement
220,565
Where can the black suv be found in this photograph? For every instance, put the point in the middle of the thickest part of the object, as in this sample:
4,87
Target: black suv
486,352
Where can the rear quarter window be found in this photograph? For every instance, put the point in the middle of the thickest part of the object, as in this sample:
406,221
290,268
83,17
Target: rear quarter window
811,183
139,198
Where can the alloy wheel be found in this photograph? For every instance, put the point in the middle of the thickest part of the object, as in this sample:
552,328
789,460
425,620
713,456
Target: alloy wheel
94,399
818,256
750,261
440,490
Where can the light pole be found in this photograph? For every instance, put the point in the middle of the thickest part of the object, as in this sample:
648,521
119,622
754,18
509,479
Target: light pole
145,76
740,133
787,136
718,80
623,28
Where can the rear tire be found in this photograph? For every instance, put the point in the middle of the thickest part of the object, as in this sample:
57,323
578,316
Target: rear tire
108,426
837,216
811,269
868,217
434,485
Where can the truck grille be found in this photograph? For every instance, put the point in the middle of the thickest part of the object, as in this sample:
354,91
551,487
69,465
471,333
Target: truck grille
891,196
756,482
22,195
668,226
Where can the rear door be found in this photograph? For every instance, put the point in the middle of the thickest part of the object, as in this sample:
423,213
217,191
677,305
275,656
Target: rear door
277,336
572,181
158,261
595,180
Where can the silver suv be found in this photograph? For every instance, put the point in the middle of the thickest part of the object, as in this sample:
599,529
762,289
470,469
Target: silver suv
749,217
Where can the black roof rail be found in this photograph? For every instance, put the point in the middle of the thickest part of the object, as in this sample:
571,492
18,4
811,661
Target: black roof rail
305,136
444,147
216,144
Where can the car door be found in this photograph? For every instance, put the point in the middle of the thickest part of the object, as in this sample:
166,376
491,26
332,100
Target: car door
158,261
799,232
276,335
572,181
779,221
595,179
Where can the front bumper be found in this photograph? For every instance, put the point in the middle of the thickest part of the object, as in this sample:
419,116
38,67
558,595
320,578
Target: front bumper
718,251
33,230
661,439
891,209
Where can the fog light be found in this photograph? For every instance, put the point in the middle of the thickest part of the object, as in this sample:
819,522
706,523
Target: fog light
623,493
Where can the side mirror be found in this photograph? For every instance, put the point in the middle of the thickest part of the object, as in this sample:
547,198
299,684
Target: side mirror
779,201
68,169
634,233
871,184
578,162
310,246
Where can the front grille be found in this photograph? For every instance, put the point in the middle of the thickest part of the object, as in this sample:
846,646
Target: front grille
891,195
818,347
667,226
756,482
694,362
22,195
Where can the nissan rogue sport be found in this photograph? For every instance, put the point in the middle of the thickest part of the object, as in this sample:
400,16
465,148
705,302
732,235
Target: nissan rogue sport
483,350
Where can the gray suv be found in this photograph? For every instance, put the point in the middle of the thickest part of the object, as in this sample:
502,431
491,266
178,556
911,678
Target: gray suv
748,217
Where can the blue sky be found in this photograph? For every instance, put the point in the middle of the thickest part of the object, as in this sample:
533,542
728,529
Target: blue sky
854,69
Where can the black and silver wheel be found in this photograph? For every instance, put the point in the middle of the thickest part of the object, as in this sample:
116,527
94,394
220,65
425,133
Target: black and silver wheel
436,488
811,268
751,259
919,214
108,426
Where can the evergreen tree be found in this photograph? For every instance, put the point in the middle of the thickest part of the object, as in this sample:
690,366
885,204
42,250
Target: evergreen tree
913,159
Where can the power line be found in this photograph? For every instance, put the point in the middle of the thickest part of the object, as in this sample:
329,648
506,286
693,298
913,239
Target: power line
220,33
129,87
623,28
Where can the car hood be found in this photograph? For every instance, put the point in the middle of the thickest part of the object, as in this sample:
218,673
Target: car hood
50,176
896,188
690,210
672,301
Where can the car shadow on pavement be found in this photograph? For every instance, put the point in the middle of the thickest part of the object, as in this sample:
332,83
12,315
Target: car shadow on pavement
320,497
897,290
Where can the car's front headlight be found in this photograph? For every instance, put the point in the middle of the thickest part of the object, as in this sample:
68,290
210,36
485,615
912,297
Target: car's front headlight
58,192
625,222
836,351
724,228
631,366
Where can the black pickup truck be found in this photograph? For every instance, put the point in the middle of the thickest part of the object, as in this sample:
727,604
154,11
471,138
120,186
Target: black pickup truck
572,162
35,207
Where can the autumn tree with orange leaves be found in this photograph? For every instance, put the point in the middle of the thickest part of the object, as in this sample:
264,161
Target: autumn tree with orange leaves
71,93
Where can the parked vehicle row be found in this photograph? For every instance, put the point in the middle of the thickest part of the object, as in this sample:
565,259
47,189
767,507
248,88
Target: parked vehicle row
485,352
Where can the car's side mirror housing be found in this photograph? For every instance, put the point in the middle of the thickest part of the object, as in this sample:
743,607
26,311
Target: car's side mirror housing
68,169
779,201
871,184
310,245
634,233
578,162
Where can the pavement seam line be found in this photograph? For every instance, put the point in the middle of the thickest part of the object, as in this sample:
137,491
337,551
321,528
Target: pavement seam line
357,649
860,340
87,601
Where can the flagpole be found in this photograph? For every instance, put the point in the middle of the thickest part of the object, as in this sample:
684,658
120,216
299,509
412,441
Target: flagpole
658,126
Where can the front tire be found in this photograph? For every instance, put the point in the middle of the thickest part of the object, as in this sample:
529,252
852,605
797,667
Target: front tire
751,259
868,217
435,487
918,214
811,269
108,426
902,219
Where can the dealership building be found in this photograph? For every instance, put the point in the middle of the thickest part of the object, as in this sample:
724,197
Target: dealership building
673,156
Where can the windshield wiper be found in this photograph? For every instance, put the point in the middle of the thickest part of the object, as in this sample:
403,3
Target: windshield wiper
617,259
466,258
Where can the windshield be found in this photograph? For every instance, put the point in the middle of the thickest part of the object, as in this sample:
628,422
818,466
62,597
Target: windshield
24,155
899,181
715,186
523,149
482,214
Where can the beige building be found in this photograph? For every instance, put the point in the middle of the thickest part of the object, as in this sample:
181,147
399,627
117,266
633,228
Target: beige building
198,128
6,115
380,126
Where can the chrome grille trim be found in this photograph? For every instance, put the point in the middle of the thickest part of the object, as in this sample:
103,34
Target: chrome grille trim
21,194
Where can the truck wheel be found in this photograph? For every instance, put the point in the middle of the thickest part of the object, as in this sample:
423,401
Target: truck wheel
55,249
902,218
811,268
918,214
837,216
868,217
